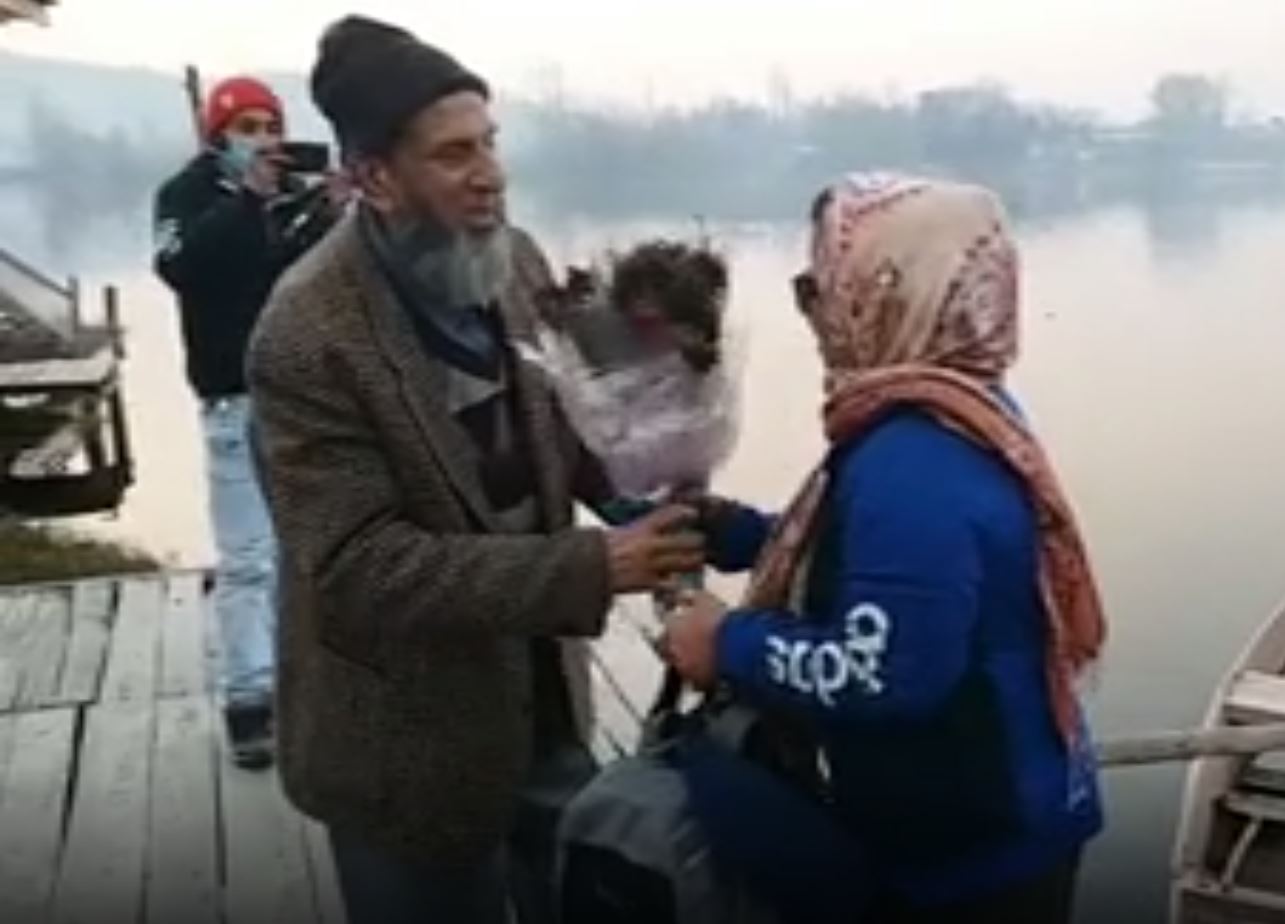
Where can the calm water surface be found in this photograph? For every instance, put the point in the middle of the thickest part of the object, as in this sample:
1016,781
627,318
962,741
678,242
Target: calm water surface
1154,367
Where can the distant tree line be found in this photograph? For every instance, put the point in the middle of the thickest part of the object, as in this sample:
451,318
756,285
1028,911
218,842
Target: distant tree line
737,159
741,159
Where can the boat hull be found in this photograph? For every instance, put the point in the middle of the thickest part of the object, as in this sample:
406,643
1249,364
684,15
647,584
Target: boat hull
1206,830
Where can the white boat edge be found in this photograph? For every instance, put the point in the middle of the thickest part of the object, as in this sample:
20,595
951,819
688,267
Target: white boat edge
1209,777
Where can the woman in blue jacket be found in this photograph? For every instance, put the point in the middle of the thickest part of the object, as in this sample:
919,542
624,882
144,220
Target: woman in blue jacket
925,602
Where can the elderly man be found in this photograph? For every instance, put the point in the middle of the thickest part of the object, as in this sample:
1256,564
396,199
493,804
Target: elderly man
421,482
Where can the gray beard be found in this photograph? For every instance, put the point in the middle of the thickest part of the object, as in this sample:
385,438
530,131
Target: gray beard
467,270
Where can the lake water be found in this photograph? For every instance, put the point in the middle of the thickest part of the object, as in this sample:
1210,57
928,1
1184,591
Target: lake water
1153,365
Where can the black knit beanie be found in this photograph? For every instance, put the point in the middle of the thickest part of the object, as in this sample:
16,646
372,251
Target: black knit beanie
371,78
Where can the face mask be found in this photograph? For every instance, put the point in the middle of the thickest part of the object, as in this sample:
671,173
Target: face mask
238,154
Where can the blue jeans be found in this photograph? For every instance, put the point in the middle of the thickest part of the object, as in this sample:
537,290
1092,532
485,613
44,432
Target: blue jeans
245,587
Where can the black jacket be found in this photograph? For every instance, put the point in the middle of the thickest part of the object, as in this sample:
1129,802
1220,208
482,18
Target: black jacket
221,249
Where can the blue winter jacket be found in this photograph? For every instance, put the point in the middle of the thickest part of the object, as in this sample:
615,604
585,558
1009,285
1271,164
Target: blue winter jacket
920,663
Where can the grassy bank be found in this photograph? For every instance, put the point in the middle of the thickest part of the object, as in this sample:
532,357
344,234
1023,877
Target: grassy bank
36,553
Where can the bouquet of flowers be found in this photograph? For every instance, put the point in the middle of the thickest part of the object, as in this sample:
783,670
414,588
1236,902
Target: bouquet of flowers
638,354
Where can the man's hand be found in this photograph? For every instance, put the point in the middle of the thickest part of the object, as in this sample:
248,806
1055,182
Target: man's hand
644,554
690,640
263,176
712,510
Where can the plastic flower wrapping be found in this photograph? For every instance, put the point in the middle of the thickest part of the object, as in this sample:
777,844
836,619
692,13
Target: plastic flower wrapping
642,361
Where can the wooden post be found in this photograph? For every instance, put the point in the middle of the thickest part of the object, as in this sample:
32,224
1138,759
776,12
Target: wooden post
111,311
122,460
73,323
94,429
192,81
1171,746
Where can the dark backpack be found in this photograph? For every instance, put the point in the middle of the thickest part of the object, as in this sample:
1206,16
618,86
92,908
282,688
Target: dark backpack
705,824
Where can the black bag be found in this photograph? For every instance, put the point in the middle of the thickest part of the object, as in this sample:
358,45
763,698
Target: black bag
556,779
713,821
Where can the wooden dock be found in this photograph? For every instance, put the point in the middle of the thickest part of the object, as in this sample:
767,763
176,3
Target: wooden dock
64,436
117,801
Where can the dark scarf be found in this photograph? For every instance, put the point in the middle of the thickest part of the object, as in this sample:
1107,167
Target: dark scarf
467,338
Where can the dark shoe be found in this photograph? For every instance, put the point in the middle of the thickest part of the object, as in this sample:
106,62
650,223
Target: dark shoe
250,734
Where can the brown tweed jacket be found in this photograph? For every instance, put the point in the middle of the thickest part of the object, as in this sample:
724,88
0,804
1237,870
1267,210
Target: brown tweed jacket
404,677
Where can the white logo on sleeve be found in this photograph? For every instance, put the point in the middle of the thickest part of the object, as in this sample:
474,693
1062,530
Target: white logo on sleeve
167,239
827,669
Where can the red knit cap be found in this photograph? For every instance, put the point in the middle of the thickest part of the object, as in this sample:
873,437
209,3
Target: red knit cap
234,96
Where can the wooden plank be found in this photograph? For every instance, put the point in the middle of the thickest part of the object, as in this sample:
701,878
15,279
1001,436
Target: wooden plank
53,454
47,648
1264,779
631,663
321,862
35,307
7,725
14,618
1163,747
183,862
183,668
132,657
1251,805
54,375
1257,697
32,806
614,722
10,685
101,879
9,599
91,607
1236,905
14,625
266,868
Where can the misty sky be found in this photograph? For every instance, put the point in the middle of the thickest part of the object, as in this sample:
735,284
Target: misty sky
1098,53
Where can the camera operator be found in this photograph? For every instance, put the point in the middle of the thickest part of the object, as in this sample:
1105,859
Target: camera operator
227,225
